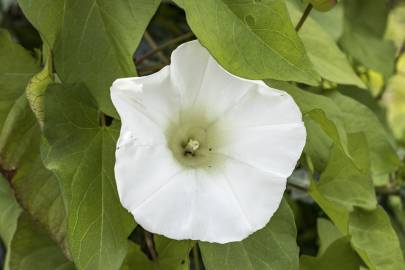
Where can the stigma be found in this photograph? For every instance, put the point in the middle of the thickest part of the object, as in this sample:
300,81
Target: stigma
191,147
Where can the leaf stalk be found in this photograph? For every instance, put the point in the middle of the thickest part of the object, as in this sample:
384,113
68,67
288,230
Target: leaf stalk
303,17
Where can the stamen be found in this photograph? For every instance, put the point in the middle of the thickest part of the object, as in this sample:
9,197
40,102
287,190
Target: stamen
191,147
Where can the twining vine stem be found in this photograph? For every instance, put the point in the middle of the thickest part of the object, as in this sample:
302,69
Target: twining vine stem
296,186
154,46
150,246
150,69
169,43
303,17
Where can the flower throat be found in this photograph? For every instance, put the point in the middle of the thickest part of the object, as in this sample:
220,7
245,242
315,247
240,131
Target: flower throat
193,140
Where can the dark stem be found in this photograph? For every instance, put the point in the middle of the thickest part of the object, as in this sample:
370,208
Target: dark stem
7,173
164,46
196,257
154,46
303,17
150,69
150,246
296,186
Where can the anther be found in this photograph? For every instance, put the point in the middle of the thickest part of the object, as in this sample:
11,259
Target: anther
191,147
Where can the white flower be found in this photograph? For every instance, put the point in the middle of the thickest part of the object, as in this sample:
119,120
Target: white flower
203,154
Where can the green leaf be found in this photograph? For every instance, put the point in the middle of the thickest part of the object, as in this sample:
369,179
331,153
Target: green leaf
81,154
395,104
358,118
308,101
31,248
331,21
327,233
39,193
172,255
318,144
395,26
97,41
359,13
9,213
337,213
369,231
17,132
343,183
359,152
17,123
19,139
364,27
398,219
17,67
93,41
349,116
36,188
328,127
322,50
322,117
375,240
367,99
273,247
371,153
322,133
47,23
371,52
339,255
9,210
28,246
259,34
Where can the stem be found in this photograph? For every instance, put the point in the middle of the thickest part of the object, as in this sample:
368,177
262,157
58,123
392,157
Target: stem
150,69
296,186
102,119
400,52
196,257
303,17
48,59
153,45
164,45
150,245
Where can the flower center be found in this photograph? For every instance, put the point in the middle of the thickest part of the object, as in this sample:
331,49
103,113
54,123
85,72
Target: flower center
191,147
193,141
